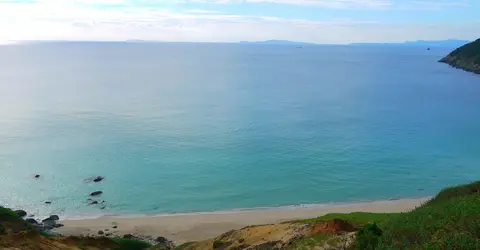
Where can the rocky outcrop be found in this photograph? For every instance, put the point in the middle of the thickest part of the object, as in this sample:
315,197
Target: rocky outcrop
466,57
335,226
16,233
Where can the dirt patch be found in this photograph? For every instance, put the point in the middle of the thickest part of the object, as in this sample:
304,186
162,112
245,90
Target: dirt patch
335,226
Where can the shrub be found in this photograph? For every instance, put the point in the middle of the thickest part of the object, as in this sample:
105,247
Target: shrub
368,237
131,244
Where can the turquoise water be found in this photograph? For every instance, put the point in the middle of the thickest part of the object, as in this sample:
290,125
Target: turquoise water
190,128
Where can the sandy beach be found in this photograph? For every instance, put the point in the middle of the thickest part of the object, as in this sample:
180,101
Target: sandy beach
182,228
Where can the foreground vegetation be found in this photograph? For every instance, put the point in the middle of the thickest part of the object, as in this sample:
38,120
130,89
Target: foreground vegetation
451,220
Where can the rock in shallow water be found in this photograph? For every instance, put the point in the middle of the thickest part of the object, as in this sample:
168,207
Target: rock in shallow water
128,236
98,179
58,225
96,193
21,213
51,218
32,221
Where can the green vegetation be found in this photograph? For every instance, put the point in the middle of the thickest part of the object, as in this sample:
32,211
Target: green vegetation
449,221
8,215
466,57
10,220
131,244
184,245
308,243
368,237
358,219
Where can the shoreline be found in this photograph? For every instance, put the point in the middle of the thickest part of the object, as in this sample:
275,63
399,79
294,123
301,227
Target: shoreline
244,210
185,227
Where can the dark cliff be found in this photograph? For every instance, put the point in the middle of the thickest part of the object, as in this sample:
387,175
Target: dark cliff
466,57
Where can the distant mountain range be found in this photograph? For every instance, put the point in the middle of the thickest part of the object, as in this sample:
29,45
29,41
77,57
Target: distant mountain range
278,42
451,43
441,43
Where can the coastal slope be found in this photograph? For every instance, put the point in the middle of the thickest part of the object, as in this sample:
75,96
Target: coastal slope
451,220
466,57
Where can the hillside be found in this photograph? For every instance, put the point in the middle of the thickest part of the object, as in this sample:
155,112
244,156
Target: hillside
466,57
451,220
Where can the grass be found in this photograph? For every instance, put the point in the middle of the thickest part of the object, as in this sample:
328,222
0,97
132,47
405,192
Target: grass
308,243
10,219
449,221
131,244
7,214
184,245
358,219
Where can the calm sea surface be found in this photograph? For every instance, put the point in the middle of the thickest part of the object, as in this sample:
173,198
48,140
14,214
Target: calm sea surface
191,128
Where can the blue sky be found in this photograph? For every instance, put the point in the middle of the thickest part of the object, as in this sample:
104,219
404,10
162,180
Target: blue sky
319,21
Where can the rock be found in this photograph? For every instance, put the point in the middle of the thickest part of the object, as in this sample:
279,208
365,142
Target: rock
32,221
108,234
100,232
31,216
96,193
48,202
49,223
128,236
21,213
37,176
52,217
163,243
106,230
92,202
102,207
98,179
161,240
47,227
58,225
332,227
115,227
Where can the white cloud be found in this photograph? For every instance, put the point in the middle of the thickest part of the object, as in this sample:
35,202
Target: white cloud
68,20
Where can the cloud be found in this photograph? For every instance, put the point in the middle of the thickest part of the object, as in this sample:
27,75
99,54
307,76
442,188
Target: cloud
78,20
195,11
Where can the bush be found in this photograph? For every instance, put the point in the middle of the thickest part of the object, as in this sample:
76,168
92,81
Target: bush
131,244
368,237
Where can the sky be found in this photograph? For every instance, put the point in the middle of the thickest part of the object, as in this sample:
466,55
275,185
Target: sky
317,21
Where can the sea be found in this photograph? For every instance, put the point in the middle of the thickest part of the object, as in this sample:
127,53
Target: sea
190,128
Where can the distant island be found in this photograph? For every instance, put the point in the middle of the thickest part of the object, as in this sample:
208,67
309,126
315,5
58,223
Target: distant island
466,57
453,43
450,43
278,42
